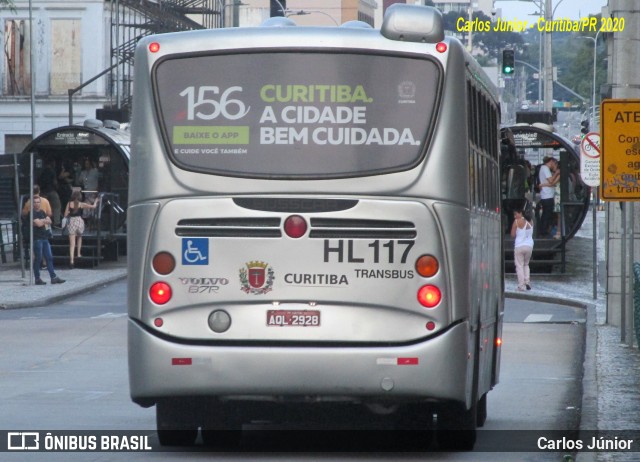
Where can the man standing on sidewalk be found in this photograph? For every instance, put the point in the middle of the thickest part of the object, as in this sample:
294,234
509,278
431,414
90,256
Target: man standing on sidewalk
41,246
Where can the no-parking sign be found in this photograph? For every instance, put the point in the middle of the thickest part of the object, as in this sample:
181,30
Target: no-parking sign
590,159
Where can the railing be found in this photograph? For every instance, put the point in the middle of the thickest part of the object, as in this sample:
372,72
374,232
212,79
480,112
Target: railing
106,220
9,239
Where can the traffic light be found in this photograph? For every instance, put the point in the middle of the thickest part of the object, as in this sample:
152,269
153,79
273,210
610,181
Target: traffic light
585,126
508,62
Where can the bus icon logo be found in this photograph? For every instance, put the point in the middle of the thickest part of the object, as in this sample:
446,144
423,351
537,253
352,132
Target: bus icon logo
23,441
195,251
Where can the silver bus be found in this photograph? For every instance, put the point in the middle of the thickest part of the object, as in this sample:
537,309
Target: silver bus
314,219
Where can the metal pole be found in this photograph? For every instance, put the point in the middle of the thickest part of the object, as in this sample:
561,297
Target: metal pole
235,10
595,197
540,75
629,316
623,276
548,69
32,68
16,183
117,54
593,95
33,133
31,252
595,244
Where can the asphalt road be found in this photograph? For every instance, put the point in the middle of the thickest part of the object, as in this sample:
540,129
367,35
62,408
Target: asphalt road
63,367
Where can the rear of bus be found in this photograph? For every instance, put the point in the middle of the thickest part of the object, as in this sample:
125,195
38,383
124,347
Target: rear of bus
298,228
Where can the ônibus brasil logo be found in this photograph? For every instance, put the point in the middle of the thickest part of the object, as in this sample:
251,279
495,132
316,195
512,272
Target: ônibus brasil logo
256,278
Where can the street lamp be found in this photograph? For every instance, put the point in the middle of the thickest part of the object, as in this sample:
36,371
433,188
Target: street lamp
592,113
472,6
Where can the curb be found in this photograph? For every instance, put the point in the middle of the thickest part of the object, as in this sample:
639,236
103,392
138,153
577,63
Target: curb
546,299
63,295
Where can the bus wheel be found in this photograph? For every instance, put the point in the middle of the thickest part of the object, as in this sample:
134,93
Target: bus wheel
415,422
175,423
457,427
222,439
482,410
222,427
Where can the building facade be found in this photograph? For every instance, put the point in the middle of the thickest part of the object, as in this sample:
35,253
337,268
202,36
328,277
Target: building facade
68,39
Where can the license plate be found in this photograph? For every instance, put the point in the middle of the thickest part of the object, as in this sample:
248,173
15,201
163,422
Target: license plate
302,318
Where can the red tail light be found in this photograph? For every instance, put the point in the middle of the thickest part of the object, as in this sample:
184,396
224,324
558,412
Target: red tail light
154,47
160,293
429,296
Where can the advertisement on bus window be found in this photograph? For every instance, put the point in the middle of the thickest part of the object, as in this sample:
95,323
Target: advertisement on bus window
296,114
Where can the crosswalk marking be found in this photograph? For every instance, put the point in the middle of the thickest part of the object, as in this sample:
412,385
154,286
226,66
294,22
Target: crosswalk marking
109,315
538,318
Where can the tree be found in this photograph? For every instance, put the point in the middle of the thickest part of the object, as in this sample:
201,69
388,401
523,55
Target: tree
9,4
490,42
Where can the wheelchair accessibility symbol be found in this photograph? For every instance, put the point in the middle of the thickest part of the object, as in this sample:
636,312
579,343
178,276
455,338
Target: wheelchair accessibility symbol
195,251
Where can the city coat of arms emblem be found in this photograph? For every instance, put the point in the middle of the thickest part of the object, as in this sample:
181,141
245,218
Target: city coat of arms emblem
256,278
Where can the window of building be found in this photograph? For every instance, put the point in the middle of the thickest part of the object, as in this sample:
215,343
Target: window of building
17,62
65,47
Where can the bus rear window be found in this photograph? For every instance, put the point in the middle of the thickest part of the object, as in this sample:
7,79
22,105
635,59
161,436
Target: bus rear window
289,115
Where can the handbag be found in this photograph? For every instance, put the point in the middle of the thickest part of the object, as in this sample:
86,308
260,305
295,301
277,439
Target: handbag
64,222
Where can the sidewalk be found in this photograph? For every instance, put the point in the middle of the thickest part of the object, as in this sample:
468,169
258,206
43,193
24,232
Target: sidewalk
15,291
611,380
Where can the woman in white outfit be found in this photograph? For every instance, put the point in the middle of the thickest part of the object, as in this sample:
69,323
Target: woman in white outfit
522,231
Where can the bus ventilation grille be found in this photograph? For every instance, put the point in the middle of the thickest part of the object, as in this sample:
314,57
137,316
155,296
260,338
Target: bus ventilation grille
340,228
230,227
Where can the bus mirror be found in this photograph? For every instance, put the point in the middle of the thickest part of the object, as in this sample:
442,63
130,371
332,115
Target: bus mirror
413,23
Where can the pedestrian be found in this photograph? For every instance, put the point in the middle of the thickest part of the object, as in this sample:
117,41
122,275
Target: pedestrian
44,203
522,232
547,193
49,189
89,178
25,226
41,246
75,223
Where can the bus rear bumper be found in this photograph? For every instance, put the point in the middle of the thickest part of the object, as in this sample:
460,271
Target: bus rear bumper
437,369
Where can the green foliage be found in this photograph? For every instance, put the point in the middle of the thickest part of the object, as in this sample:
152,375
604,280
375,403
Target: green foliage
9,4
490,43
572,56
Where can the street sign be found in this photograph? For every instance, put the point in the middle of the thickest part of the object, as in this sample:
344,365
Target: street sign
590,159
620,172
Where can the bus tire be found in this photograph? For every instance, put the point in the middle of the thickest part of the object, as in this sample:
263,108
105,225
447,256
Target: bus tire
222,426
482,410
415,427
457,427
175,424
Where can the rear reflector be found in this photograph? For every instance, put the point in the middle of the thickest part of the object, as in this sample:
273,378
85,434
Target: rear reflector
295,226
181,361
427,266
163,263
